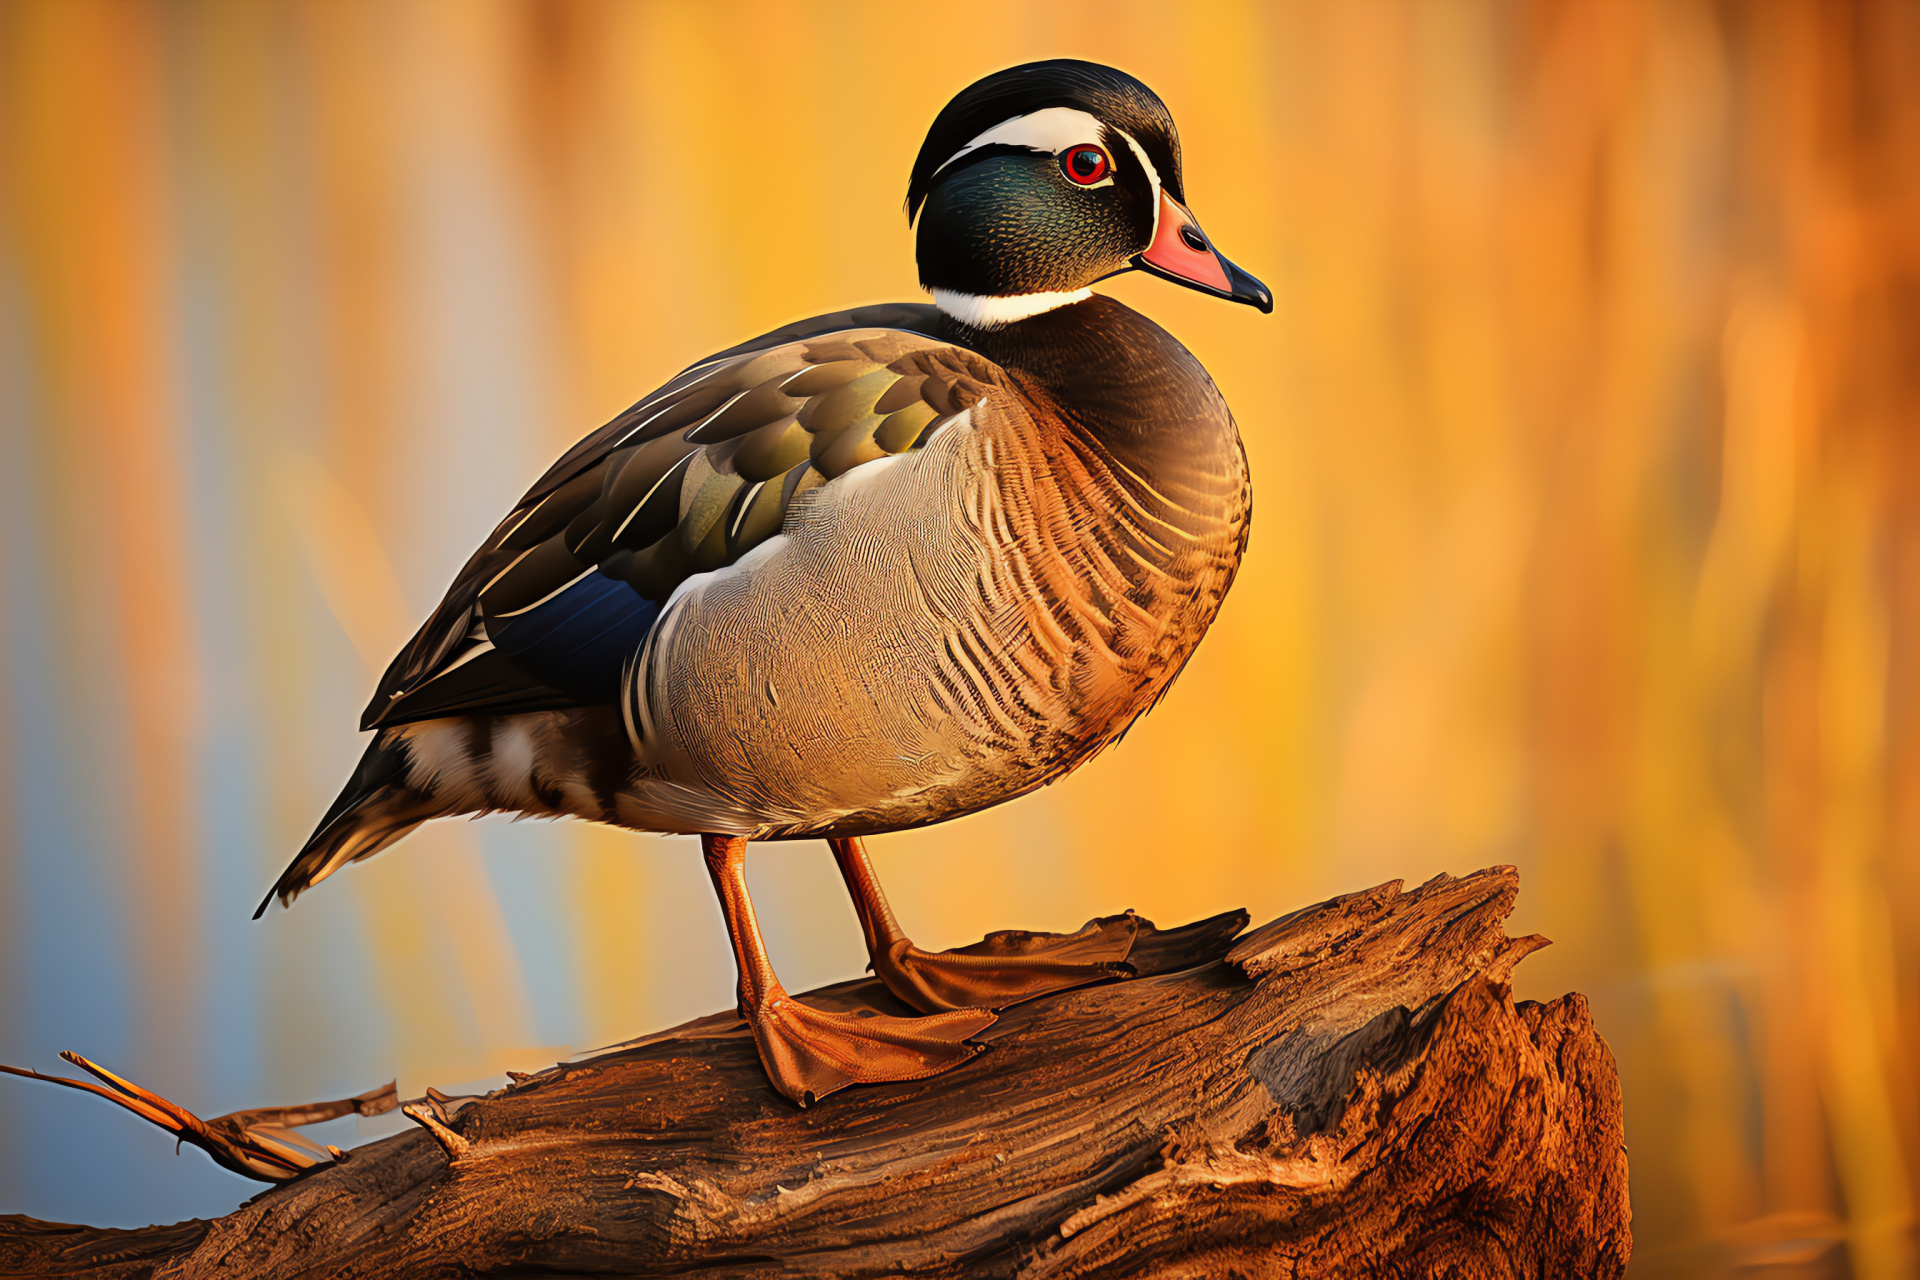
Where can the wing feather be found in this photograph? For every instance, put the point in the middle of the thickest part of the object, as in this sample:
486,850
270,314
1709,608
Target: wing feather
687,480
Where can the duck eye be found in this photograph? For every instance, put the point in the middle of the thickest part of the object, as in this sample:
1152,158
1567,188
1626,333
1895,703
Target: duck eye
1085,165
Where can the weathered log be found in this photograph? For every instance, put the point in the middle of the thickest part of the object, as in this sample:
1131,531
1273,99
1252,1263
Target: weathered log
1348,1091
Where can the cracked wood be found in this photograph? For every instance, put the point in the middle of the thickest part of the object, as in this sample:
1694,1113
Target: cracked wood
1349,1090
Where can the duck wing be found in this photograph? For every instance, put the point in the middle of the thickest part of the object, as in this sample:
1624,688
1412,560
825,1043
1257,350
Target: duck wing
548,611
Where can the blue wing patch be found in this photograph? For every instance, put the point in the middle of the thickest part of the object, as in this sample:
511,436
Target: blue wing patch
578,639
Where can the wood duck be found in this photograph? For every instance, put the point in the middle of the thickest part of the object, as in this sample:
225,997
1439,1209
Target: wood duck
874,570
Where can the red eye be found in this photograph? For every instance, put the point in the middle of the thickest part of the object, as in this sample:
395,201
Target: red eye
1084,165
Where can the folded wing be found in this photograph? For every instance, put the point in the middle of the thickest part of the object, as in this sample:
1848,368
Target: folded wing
559,598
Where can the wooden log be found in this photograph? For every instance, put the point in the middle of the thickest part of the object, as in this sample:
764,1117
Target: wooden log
1347,1091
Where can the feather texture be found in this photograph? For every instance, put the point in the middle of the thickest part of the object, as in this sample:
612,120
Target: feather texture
849,581
545,614
958,625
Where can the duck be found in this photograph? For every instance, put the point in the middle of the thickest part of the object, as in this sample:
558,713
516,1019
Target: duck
877,569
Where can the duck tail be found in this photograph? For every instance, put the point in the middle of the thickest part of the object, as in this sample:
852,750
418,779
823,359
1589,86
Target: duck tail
375,808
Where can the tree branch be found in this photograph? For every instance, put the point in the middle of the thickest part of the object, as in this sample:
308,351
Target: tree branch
1349,1090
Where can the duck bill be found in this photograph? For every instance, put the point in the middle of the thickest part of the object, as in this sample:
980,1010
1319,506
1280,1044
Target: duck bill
1181,252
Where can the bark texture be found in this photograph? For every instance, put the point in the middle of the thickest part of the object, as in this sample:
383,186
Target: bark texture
1347,1091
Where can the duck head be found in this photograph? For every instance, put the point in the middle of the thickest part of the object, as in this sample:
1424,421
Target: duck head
1042,179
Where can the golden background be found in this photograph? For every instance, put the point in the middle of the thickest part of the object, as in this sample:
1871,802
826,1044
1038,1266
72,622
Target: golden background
1583,438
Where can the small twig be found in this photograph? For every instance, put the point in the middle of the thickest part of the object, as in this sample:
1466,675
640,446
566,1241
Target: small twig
450,1142
256,1143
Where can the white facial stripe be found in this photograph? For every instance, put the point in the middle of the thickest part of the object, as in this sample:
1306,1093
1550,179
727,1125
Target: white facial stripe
1153,176
980,312
1052,130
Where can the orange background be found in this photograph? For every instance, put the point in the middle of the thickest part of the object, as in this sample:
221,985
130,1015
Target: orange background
1585,535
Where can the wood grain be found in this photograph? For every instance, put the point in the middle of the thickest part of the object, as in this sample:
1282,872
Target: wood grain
1349,1090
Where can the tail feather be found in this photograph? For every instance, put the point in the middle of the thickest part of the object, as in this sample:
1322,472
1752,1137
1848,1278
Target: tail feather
548,764
374,809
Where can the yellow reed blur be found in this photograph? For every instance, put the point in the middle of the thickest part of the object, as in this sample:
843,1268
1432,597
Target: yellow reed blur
1585,533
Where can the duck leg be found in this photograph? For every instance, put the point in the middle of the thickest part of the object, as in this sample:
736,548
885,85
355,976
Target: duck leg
809,1053
1003,969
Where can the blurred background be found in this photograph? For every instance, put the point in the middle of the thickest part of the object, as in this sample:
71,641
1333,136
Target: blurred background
1584,440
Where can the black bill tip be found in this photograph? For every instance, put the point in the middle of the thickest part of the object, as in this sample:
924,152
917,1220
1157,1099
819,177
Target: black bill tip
1247,289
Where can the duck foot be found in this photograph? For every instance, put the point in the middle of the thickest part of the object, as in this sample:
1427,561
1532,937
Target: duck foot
1157,951
810,1053
1010,966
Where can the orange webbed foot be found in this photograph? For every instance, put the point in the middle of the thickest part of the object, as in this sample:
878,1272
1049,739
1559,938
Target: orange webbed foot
1010,966
810,1053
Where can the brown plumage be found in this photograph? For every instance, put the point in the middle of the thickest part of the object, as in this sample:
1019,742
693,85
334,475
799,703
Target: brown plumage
897,661
880,569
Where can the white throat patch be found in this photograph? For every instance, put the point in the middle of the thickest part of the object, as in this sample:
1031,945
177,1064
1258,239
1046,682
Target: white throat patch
979,312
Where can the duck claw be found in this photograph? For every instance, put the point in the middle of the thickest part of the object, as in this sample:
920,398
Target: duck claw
1013,965
1009,966
1171,950
256,1143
